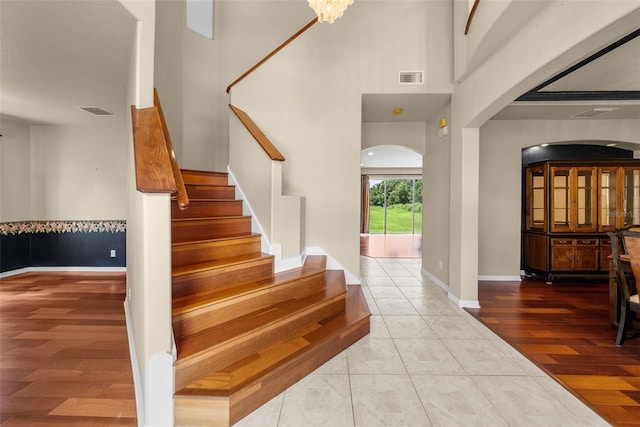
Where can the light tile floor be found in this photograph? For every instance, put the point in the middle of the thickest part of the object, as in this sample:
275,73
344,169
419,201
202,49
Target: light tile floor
426,362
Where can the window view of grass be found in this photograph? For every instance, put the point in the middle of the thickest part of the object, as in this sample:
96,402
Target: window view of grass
398,219
403,216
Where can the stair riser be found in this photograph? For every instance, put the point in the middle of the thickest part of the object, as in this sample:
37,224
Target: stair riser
201,412
189,369
204,178
207,209
218,313
211,192
209,251
221,277
189,231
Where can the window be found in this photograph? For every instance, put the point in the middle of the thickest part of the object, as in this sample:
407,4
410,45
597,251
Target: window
395,205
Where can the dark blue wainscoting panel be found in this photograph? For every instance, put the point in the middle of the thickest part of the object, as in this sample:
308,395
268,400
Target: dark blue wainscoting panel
15,251
78,249
62,244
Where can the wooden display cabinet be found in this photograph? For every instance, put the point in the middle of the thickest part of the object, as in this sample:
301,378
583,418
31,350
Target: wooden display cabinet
619,197
569,207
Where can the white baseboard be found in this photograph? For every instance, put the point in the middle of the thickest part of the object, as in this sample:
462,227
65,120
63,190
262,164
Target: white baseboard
155,406
135,368
435,280
63,269
460,303
500,278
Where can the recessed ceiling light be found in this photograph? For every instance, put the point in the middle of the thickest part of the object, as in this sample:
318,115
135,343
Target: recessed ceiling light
371,153
611,145
544,145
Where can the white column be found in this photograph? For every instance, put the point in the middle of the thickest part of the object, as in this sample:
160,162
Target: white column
463,250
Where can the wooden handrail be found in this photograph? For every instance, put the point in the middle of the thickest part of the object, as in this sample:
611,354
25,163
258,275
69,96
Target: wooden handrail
276,50
470,18
152,164
254,130
156,168
181,191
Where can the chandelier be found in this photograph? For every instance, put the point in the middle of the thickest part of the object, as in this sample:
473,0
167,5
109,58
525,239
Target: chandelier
329,10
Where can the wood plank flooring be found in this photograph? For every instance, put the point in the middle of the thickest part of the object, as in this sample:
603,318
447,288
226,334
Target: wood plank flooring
564,329
391,245
64,355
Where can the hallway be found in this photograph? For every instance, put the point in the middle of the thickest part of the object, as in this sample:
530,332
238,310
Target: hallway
425,363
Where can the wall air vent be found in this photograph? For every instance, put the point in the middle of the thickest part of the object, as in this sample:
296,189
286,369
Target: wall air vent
589,114
411,77
96,111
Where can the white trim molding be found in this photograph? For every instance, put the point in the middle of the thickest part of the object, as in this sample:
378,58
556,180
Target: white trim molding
435,280
63,269
460,303
499,278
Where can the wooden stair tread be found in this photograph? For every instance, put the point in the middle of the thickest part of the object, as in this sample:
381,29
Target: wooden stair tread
191,176
258,366
221,240
244,334
218,263
253,324
190,302
211,218
214,200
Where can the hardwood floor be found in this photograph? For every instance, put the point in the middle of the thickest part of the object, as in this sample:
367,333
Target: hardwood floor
564,329
64,355
391,245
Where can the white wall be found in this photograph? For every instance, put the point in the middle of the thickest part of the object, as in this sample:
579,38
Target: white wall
148,301
307,99
435,200
15,171
409,134
64,172
77,172
170,26
501,143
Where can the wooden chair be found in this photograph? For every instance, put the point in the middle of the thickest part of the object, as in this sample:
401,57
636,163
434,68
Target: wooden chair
632,227
629,300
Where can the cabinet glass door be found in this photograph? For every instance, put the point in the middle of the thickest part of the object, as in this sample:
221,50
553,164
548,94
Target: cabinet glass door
584,199
536,204
631,196
608,201
560,204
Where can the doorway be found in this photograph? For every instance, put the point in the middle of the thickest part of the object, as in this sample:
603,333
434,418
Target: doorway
391,216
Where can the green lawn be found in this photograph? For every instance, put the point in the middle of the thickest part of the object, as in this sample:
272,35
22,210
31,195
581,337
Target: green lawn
398,219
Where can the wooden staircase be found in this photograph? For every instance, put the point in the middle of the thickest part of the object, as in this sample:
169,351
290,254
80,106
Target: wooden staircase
244,334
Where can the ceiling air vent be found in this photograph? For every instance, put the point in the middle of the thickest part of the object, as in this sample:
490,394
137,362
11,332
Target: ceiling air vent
96,111
411,77
593,112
